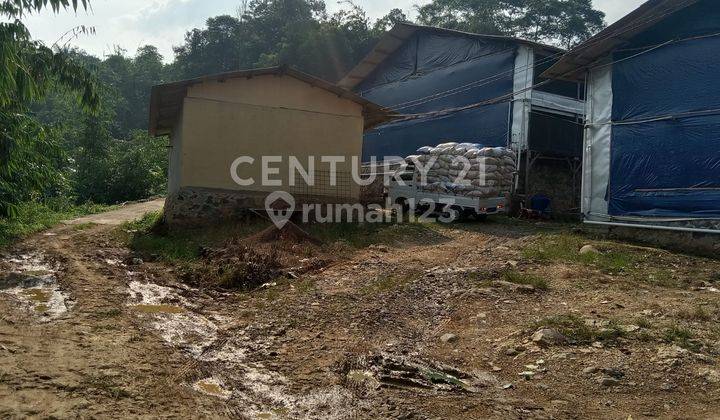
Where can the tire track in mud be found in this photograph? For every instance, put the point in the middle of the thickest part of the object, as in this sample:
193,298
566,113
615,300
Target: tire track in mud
88,358
220,366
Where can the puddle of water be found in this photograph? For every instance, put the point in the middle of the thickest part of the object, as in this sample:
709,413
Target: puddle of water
212,387
32,263
37,294
149,293
47,300
34,284
177,326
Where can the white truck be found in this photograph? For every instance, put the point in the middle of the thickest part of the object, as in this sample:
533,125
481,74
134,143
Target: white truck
405,191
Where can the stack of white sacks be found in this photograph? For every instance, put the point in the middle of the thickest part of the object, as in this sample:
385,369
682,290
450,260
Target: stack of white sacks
466,169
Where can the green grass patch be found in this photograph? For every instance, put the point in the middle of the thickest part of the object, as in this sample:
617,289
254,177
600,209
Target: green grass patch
526,279
145,224
643,322
579,332
84,226
681,336
637,265
33,217
387,283
613,258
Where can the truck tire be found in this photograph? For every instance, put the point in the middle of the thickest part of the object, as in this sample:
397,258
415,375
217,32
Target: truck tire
403,203
481,217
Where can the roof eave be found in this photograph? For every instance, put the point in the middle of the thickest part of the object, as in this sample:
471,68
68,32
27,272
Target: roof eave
396,37
579,60
162,124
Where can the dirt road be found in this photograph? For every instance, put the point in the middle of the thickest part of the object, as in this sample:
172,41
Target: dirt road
121,215
437,328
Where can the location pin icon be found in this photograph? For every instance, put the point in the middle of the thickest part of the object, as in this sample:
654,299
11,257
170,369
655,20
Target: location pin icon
280,206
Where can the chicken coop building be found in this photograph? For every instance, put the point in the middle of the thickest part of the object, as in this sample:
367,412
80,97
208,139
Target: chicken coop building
449,85
652,140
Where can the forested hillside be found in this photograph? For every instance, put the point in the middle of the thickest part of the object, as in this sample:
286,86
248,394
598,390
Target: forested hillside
60,152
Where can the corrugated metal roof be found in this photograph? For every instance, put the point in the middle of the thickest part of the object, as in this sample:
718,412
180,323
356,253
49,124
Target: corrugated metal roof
574,64
396,37
166,100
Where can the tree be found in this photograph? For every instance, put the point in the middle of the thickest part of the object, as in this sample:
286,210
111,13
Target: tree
479,16
270,32
214,49
561,22
387,22
27,70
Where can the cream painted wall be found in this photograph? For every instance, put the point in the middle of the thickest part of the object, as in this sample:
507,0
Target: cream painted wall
263,116
175,156
274,91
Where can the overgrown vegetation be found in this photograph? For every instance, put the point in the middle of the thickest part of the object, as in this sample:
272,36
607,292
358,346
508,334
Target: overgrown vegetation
148,237
561,22
246,269
32,217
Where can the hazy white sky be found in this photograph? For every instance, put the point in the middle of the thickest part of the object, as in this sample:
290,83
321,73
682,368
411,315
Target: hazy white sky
163,23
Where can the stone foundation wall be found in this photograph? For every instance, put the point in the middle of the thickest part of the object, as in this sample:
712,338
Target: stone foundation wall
193,206
197,206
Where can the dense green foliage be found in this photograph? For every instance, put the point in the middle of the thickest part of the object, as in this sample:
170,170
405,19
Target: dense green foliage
31,217
73,125
28,70
560,22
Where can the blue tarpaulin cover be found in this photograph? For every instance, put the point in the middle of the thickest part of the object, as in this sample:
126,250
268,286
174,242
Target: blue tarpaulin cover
432,72
662,166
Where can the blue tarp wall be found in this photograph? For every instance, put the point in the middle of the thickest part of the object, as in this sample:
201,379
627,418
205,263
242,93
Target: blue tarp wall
668,167
439,68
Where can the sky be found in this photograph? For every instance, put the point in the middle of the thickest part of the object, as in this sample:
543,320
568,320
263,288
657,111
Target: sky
131,24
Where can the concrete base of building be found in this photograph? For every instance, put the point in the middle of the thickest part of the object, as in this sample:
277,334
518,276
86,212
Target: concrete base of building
705,244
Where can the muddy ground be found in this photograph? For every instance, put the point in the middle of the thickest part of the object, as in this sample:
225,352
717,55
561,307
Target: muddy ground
501,319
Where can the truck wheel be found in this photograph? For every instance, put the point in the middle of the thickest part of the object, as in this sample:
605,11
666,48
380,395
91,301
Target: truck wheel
466,215
481,217
404,205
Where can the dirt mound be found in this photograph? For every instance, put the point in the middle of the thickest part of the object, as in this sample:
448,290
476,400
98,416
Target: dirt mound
238,266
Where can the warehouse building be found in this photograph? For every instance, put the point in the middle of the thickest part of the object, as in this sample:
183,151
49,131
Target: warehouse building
652,142
276,112
456,86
